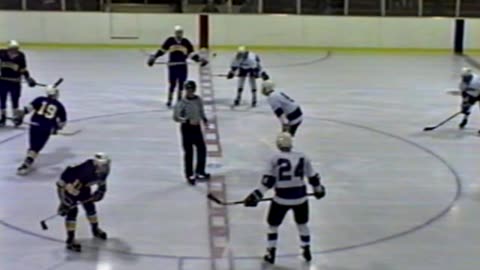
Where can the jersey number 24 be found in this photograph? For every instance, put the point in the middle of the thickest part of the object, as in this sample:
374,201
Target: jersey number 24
285,172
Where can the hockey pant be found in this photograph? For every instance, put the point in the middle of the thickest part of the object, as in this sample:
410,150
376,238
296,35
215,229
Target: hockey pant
12,89
177,75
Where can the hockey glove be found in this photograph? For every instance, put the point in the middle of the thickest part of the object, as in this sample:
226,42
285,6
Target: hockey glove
264,76
63,209
203,62
151,60
31,82
319,192
230,75
253,199
98,195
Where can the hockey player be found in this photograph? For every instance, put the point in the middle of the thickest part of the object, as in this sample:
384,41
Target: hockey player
180,49
285,108
246,64
74,187
13,66
470,90
49,116
285,173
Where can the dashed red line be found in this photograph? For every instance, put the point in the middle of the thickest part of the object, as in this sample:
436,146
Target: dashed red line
218,226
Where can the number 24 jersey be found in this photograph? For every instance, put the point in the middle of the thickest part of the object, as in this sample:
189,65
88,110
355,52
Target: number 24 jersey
289,169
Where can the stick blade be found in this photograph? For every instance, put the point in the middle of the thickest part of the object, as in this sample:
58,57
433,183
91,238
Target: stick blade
43,224
70,133
428,128
213,198
58,82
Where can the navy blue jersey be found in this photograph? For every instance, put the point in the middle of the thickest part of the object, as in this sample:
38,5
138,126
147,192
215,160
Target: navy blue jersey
48,112
179,49
83,176
11,69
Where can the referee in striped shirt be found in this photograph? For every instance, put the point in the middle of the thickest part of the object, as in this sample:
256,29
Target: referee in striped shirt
189,112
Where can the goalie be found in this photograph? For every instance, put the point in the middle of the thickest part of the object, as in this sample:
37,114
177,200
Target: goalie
49,116
470,90
247,65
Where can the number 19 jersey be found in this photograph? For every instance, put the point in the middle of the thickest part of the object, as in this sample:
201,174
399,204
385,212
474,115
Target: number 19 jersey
48,112
285,173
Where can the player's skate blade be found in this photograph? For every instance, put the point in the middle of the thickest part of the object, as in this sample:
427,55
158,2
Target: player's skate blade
74,246
100,234
24,169
270,256
307,255
463,124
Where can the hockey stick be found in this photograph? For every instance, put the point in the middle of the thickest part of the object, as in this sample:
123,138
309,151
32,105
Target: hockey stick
454,92
211,197
56,84
43,223
442,123
63,133
220,75
145,53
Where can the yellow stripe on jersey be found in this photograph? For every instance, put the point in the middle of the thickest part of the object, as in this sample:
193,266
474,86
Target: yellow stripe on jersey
178,48
10,65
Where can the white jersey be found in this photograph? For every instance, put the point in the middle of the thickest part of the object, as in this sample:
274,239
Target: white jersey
283,106
285,173
251,61
473,88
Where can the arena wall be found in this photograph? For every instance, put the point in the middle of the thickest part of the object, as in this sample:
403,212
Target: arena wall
232,30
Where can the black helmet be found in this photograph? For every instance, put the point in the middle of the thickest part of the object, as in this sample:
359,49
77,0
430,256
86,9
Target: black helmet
190,85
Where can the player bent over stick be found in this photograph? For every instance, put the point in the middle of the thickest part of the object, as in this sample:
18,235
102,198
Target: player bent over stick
179,48
285,173
470,90
248,65
49,116
74,187
284,107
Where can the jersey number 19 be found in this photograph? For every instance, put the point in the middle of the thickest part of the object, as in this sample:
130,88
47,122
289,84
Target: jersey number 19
285,167
47,110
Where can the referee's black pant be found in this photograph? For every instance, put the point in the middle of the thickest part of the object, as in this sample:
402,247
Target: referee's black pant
192,136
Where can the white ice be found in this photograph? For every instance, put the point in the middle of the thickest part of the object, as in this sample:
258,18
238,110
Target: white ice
397,198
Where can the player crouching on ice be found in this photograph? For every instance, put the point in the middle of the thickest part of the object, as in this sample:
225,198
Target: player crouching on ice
49,116
284,107
470,90
74,188
285,173
248,65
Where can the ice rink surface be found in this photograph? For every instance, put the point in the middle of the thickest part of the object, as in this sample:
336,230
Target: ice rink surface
397,198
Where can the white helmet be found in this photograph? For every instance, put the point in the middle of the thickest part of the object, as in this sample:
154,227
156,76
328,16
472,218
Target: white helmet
101,158
466,72
51,91
267,87
13,44
242,49
178,28
284,141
